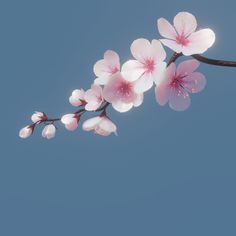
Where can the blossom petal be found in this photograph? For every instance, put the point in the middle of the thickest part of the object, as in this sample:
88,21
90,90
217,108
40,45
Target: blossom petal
141,49
172,45
179,99
162,93
187,67
49,131
101,80
132,70
185,23
66,119
113,59
157,50
195,82
72,126
107,125
139,100
144,83
91,123
199,42
166,30
121,106
159,72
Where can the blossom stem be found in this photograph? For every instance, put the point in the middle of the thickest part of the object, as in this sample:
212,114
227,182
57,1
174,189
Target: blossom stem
174,57
214,61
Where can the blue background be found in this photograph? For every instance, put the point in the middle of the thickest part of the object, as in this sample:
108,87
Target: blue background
167,173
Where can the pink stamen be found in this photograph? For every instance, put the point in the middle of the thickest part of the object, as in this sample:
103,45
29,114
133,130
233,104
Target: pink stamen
149,65
181,39
125,88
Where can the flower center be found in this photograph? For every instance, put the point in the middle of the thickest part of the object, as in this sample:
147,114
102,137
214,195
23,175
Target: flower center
125,88
114,70
177,82
181,39
149,65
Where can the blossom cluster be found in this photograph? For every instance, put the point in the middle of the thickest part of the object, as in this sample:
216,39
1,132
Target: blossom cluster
123,85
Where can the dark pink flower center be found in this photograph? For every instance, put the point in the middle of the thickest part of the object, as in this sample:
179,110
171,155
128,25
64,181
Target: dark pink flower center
177,82
114,70
125,88
181,39
149,65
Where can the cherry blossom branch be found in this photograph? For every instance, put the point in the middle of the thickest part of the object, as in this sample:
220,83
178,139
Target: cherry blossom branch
124,86
214,61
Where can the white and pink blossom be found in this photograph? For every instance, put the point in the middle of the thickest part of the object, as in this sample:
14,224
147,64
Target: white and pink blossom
26,131
93,98
38,117
120,93
183,37
148,66
70,121
178,83
106,67
77,98
101,125
49,131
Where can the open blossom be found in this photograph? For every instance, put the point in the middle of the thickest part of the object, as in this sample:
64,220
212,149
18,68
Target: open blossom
101,125
26,131
183,37
70,121
120,93
148,66
106,67
77,98
38,117
93,98
49,131
177,85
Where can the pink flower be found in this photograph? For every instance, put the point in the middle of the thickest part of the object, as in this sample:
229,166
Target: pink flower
101,125
178,83
120,93
49,131
77,98
26,131
107,67
183,37
70,121
148,66
38,117
93,98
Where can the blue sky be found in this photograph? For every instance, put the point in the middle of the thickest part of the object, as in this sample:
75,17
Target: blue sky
167,173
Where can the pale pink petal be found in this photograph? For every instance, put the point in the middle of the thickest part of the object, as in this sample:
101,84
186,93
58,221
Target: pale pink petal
187,67
92,106
139,100
101,69
141,49
171,70
37,116
144,83
157,50
195,82
101,81
121,106
185,23
179,99
199,42
67,118
159,72
166,30
91,123
112,59
107,125
132,70
25,132
162,93
49,131
172,45
76,97
72,126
